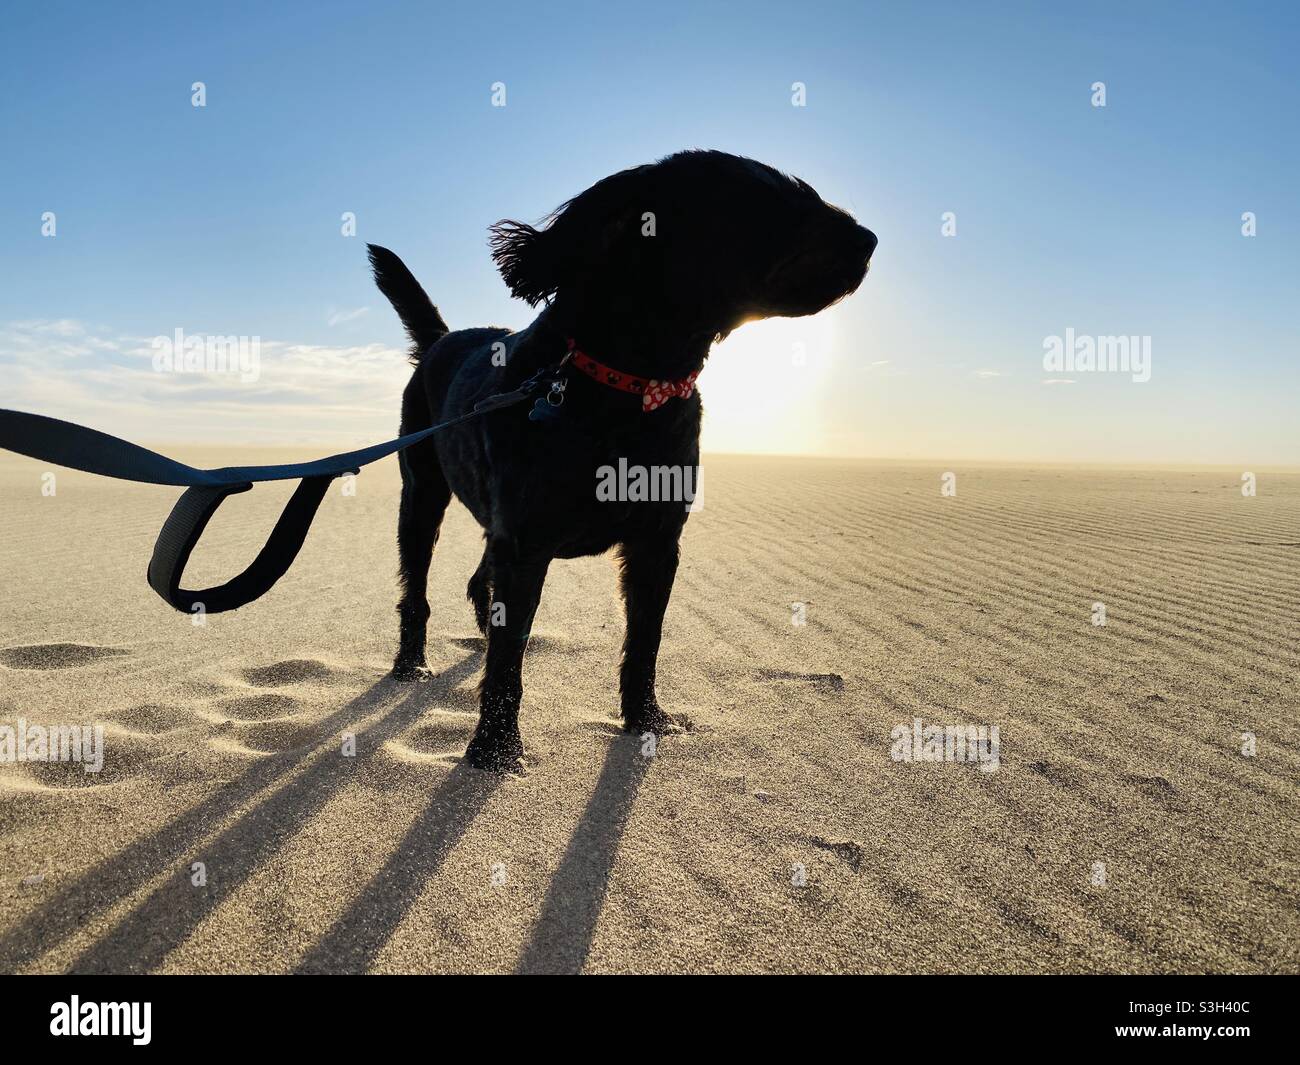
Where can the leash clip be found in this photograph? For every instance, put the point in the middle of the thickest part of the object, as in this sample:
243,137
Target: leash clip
547,407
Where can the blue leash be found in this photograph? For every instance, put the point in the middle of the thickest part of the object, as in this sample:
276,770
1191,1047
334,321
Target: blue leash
76,447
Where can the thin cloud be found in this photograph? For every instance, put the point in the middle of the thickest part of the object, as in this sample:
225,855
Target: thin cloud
338,317
303,392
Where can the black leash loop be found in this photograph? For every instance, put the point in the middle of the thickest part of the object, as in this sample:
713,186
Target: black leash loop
185,525
79,448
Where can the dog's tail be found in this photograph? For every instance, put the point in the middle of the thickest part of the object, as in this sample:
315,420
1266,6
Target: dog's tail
423,323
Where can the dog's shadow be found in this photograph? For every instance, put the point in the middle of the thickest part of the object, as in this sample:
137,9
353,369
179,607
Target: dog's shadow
140,940
562,936
355,939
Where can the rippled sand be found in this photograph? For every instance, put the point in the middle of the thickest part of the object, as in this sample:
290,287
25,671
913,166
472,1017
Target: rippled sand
1123,829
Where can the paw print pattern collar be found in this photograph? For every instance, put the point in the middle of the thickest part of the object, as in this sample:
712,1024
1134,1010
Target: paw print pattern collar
654,393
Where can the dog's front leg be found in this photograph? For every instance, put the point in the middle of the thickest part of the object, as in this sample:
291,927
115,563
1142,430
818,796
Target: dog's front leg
516,590
648,569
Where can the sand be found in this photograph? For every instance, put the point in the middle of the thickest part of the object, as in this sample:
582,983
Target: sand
1123,829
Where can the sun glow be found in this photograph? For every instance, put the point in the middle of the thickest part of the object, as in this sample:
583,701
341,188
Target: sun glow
765,386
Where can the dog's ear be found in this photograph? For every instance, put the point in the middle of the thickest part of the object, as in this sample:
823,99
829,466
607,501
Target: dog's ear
578,240
520,252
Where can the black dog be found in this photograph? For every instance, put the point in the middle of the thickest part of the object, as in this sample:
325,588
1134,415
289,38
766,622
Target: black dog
641,274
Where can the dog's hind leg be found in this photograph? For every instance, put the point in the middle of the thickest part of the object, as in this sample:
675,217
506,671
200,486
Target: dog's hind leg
648,568
425,495
479,593
516,590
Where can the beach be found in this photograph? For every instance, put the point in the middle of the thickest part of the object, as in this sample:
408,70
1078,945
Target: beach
270,801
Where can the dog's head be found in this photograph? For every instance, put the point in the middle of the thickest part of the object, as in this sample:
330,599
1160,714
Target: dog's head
702,239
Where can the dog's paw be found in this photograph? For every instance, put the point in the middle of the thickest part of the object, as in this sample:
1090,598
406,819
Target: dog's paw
653,719
409,669
497,753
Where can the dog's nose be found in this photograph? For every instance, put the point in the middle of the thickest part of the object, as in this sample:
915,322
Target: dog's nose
866,241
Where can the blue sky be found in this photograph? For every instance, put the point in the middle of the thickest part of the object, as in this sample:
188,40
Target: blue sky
226,219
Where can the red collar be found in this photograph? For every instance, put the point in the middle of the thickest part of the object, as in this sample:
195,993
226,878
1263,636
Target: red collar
653,392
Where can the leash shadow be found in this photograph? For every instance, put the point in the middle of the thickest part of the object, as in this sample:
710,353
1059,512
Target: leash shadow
562,936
